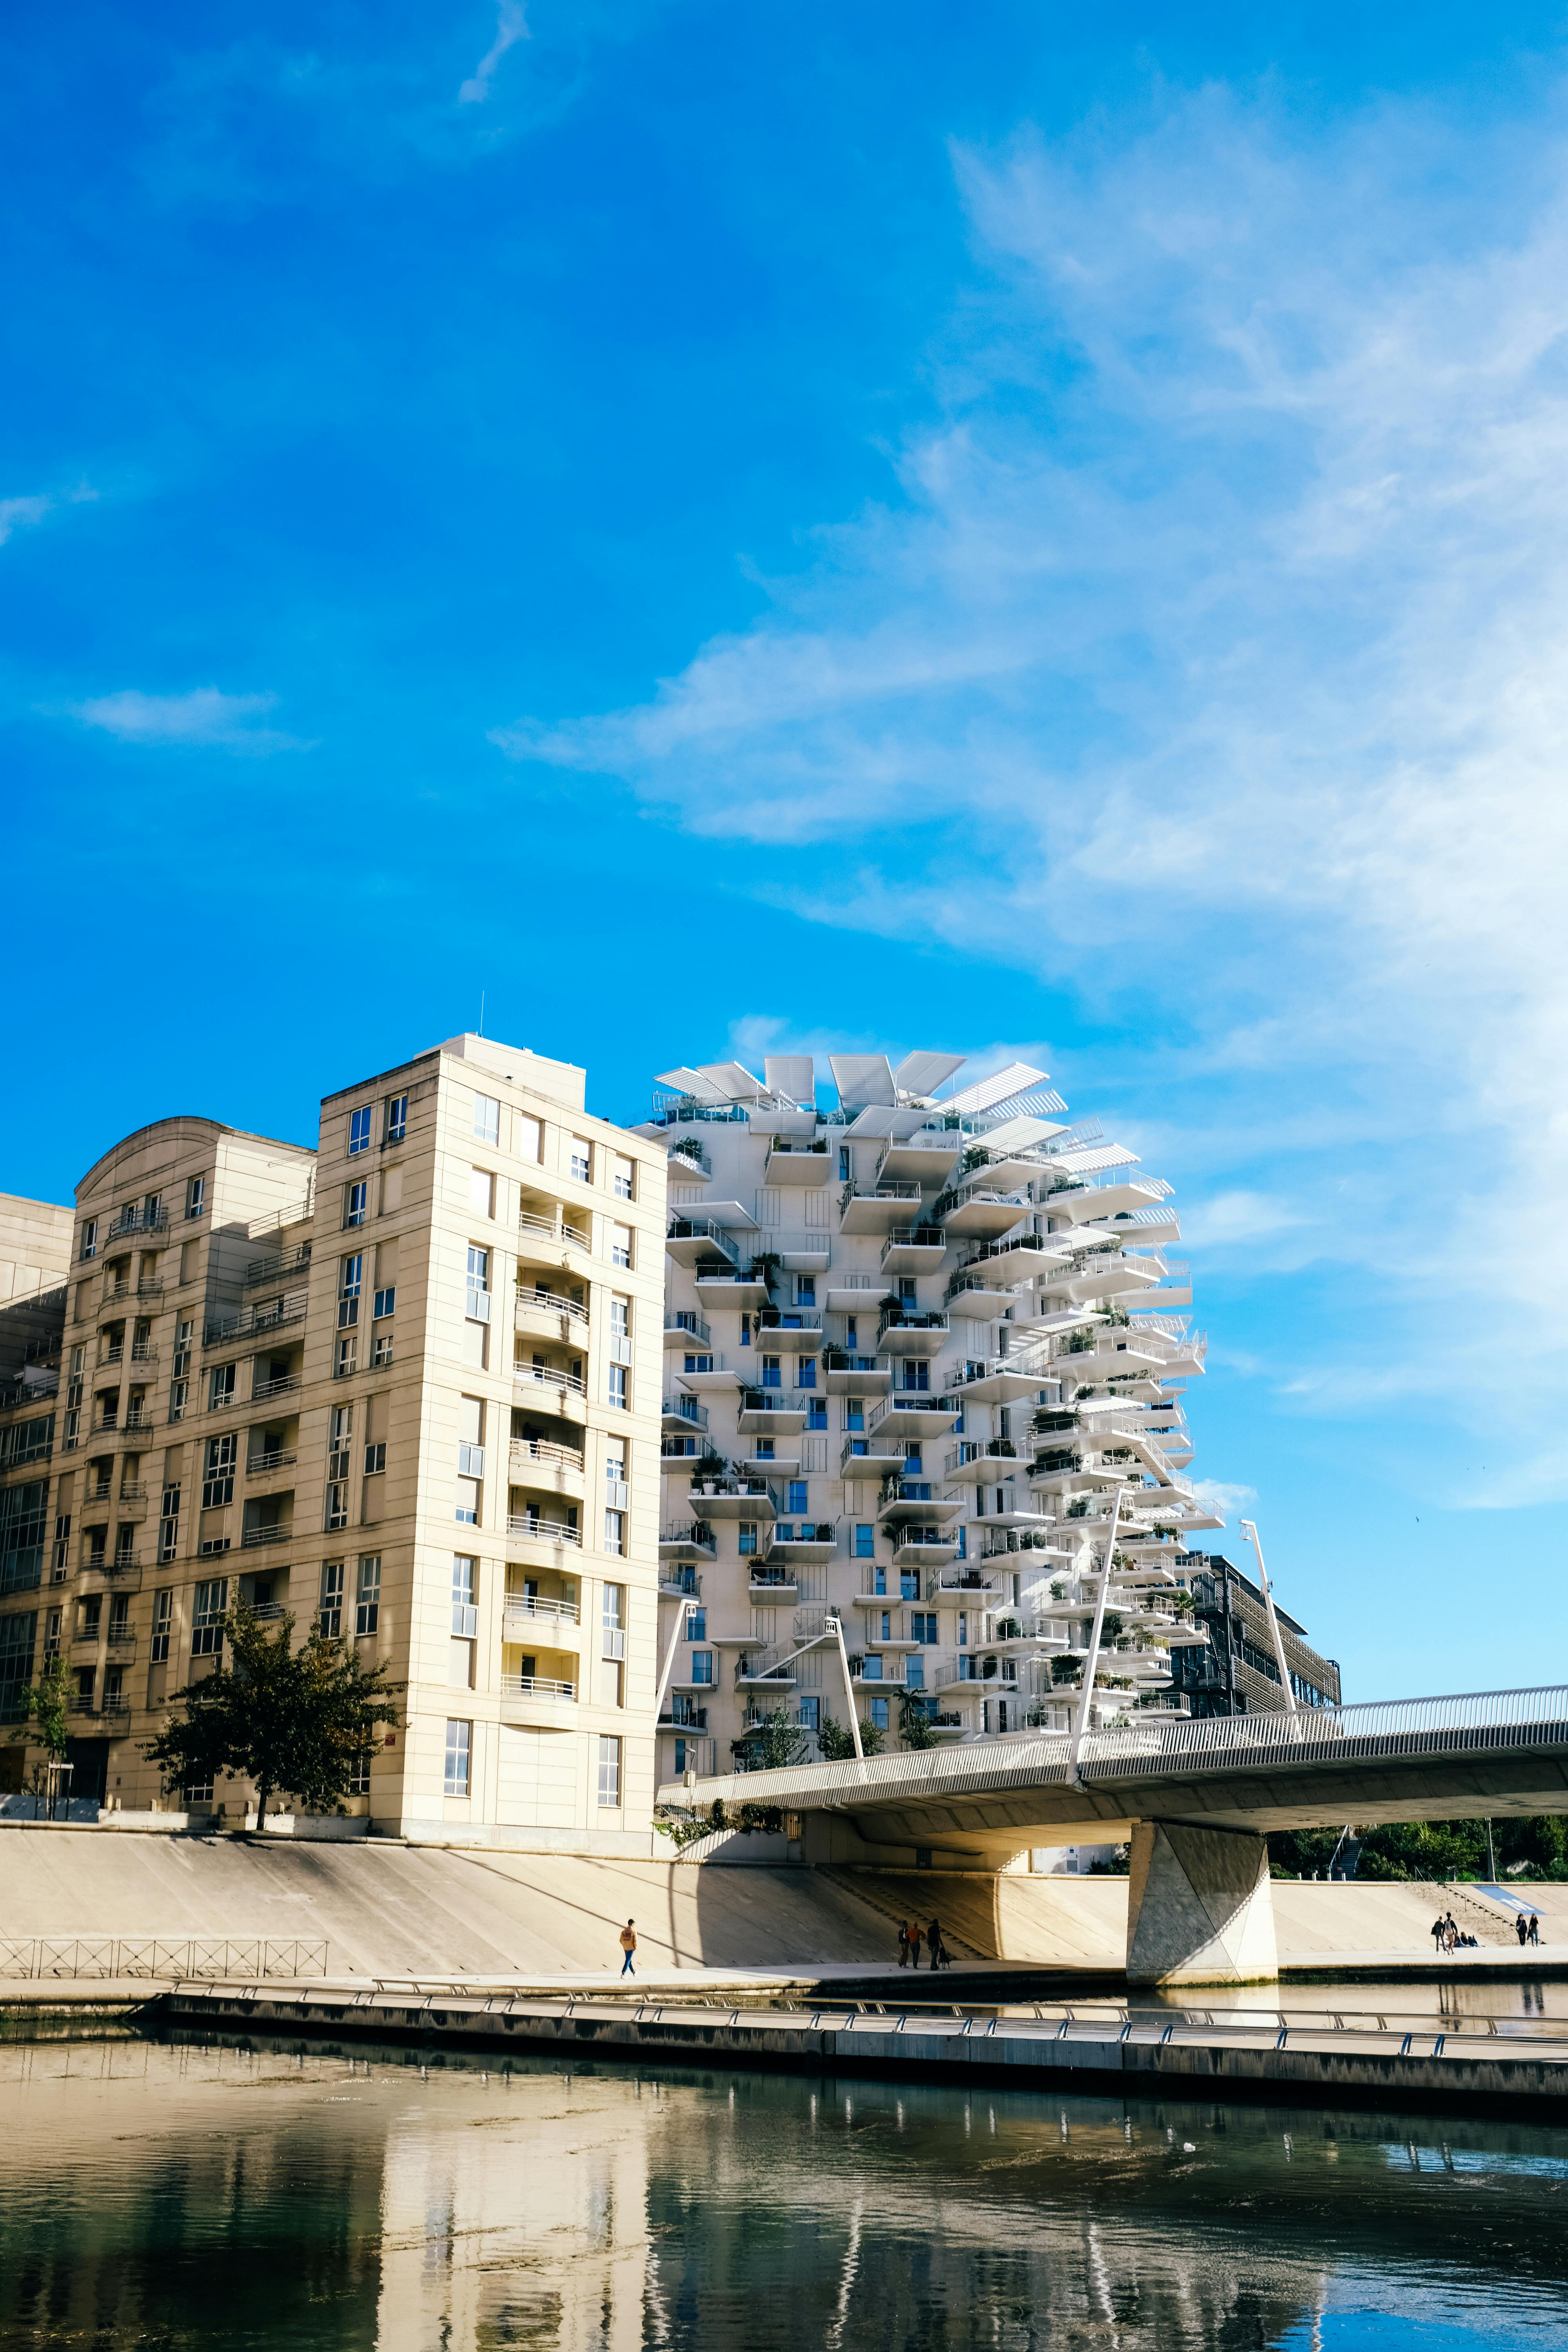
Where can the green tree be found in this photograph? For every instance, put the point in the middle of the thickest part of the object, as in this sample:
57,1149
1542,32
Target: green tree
44,1703
834,1739
289,1719
873,1739
769,1745
915,1720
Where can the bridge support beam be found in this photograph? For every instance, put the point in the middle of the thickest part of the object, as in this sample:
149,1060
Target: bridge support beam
1200,1907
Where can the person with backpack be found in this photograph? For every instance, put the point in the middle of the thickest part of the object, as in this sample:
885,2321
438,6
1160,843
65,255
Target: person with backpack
1438,1932
940,1956
628,1945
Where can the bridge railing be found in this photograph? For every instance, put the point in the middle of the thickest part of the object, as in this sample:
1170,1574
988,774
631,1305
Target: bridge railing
1484,1721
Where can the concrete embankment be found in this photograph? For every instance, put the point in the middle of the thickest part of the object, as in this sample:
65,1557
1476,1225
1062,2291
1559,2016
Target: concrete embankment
382,1907
1129,2055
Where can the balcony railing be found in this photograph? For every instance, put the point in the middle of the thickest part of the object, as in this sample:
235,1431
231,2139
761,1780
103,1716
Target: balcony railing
523,1613
284,1385
278,1269
913,1237
1000,1450
551,1302
694,1534
911,1318
538,1686
546,1376
690,1325
686,1411
256,1322
258,1465
853,1192
138,1220
259,1539
538,1453
552,1229
539,1529
702,1229
688,1153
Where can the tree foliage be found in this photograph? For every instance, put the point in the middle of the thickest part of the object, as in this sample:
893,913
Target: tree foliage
1536,1844
294,1719
915,1720
834,1739
769,1745
44,1703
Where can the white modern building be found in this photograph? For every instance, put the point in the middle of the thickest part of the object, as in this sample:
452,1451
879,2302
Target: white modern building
919,1347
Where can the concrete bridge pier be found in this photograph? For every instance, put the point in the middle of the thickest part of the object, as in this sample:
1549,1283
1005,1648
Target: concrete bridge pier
1199,1907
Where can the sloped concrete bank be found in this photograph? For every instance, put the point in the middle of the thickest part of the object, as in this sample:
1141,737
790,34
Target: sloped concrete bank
1423,2070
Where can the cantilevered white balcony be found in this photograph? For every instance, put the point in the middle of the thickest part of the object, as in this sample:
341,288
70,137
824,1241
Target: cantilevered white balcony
926,1158
912,1331
978,1463
918,1249
878,1208
1120,1190
683,1412
695,1241
741,1286
780,1331
868,1457
921,1547
994,1380
774,1413
980,1294
1009,1505
688,1163
688,1541
846,1371
1016,1259
731,1498
795,1161
804,1543
915,1502
979,1210
912,1414
684,1327
1103,1273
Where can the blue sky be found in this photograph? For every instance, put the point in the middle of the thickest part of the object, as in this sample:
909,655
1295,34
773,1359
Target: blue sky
1018,527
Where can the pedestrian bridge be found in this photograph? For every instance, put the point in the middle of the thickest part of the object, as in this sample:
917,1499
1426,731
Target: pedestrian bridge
1194,1798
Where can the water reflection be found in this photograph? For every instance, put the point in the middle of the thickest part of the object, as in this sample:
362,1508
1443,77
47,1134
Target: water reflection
197,2196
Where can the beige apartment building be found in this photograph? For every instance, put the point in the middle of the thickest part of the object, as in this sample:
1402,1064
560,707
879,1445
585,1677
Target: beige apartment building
407,1383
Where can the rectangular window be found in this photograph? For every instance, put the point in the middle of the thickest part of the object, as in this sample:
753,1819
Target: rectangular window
702,1665
330,1616
465,1588
347,1359
922,1625
337,1513
618,1395
621,1328
773,1372
367,1602
914,1672
864,1543
459,1743
62,1544
196,1200
624,1177
359,1783
351,1278
380,1350
356,1198
696,1625
481,1193
220,1387
185,1339
169,1522
877,1713
582,1159
810,1715
89,1238
609,1771
798,1504
374,1461
478,1309
162,1625
359,1131
487,1119
384,1302
844,1163
616,1534
396,1119
217,1483
206,1618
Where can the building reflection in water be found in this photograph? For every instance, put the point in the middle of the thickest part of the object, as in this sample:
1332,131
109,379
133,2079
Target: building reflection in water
183,2196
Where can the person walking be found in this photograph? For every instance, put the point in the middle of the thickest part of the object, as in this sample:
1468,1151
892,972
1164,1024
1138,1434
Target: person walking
1521,1927
915,1942
1437,1933
903,1943
629,1947
1450,1932
1535,1927
938,1950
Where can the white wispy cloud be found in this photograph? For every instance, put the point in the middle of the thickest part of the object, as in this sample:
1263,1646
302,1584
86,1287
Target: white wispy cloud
204,717
24,513
511,26
1210,655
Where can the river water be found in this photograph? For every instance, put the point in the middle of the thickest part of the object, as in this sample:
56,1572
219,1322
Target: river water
181,2196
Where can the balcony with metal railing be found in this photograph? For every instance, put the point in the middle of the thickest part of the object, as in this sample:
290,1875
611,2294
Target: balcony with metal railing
911,1331
975,1462
551,1314
878,1208
544,1231
979,1210
696,1242
688,1163
916,1500
914,1249
537,1526
553,1387
684,1327
524,1695
537,1461
264,1464
131,1223
797,1160
257,1322
994,1380
279,1268
681,1411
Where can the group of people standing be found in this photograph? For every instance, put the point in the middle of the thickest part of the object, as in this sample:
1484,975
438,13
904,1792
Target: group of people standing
911,1936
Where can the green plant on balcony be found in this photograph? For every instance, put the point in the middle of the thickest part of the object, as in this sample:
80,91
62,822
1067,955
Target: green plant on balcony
1065,1671
769,1745
915,1720
767,1264
689,1148
976,1157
